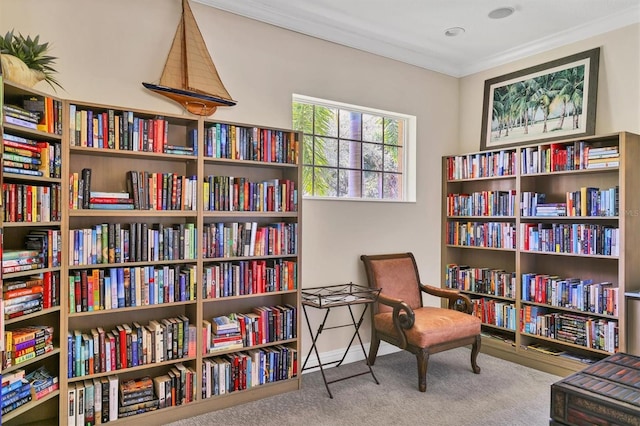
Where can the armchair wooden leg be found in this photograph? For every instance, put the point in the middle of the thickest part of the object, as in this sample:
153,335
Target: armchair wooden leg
423,362
474,355
373,347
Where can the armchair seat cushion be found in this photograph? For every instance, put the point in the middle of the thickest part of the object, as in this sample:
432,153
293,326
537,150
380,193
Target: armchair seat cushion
432,326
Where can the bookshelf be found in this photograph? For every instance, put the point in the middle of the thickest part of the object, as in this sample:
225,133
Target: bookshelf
31,263
163,228
541,242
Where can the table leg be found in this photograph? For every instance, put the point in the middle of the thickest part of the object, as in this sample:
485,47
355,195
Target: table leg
314,346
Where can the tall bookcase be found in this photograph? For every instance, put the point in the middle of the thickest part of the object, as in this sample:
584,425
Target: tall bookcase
541,238
214,231
31,206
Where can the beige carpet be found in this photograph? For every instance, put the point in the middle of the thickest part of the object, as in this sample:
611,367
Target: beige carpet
503,393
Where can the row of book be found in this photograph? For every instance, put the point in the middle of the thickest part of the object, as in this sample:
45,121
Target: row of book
162,191
585,202
124,287
19,388
577,155
233,239
123,130
229,193
247,369
31,203
487,164
495,282
482,234
129,345
35,112
575,238
33,158
106,399
495,312
264,324
226,279
146,191
48,243
26,295
484,203
251,143
108,243
594,333
26,343
575,293
17,260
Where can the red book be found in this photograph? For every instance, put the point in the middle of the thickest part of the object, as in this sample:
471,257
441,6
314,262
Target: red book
106,200
23,292
19,145
123,346
78,290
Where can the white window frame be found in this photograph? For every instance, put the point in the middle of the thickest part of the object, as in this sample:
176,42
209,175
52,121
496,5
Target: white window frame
408,149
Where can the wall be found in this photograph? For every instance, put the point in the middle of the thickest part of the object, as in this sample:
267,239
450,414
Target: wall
107,48
618,103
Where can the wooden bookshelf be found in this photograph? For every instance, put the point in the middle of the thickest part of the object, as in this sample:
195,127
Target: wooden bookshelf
501,184
17,223
109,173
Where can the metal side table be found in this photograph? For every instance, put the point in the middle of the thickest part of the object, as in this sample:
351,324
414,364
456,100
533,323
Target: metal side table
334,296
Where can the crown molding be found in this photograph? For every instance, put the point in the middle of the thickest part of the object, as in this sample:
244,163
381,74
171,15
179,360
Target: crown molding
591,29
423,56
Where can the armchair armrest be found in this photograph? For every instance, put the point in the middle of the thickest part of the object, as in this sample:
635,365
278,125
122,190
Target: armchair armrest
458,301
403,317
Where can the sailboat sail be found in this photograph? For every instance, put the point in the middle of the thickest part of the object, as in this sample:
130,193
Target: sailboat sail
189,76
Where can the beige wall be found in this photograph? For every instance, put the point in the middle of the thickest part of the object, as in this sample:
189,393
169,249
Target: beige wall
107,48
618,103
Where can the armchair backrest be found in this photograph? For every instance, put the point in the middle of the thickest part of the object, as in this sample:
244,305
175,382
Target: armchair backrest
396,275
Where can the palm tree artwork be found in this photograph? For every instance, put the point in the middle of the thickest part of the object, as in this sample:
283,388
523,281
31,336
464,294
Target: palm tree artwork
538,105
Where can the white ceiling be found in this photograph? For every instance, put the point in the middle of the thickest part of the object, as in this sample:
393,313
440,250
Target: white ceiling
412,31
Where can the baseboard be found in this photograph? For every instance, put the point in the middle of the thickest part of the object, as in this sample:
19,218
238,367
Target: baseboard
330,358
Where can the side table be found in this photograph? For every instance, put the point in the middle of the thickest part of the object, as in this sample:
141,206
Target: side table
334,296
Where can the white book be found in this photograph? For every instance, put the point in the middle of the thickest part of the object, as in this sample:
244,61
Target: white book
206,372
156,330
97,400
80,403
71,404
113,398
159,386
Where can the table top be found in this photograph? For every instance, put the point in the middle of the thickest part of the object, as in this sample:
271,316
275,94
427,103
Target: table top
616,377
338,295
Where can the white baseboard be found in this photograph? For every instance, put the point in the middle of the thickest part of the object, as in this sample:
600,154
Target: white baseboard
354,355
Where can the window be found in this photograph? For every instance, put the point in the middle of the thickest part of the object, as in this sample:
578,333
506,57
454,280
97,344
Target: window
352,152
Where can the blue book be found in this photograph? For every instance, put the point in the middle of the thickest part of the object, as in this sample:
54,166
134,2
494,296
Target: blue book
100,135
70,363
183,287
111,206
152,287
160,284
90,128
132,287
120,280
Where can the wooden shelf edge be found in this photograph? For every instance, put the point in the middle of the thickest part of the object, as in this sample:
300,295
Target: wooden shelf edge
129,369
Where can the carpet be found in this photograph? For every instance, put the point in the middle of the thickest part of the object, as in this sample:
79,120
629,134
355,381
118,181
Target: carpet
504,393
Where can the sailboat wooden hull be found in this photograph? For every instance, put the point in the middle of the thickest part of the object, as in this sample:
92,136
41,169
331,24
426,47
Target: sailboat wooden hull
194,102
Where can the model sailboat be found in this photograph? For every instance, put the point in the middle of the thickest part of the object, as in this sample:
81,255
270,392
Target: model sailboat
189,76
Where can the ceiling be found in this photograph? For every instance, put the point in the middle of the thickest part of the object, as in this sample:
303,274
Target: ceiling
413,31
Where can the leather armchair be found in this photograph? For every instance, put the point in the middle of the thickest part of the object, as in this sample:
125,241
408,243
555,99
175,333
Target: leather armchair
400,318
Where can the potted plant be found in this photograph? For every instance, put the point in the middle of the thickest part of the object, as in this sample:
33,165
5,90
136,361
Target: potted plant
25,60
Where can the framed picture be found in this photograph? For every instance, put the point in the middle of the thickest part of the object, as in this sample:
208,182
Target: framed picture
552,101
